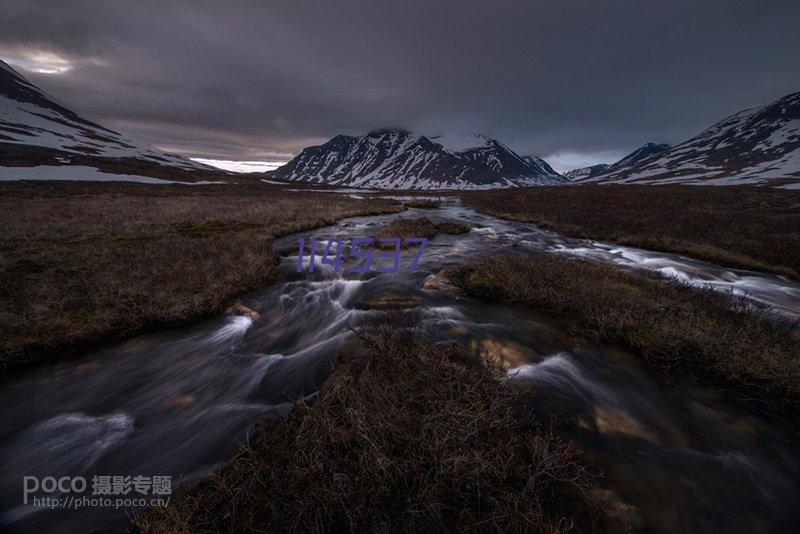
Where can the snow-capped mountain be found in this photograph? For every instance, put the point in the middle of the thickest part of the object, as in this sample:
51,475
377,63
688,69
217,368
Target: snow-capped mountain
35,129
398,159
755,146
644,151
577,175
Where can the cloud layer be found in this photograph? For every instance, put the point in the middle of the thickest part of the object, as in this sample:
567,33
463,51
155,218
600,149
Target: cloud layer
571,80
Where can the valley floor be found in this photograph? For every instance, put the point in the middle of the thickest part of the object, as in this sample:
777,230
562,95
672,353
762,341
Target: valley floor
754,228
693,335
409,436
405,435
86,262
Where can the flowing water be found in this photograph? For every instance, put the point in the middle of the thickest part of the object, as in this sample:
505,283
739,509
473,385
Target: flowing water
178,402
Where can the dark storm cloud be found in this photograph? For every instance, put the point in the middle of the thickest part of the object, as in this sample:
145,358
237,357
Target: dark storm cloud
262,79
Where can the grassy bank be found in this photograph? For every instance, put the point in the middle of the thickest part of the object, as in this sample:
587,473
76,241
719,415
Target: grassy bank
407,437
747,227
422,203
421,227
706,336
82,263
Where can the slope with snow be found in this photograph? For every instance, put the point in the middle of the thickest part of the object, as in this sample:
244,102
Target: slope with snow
36,129
80,173
643,152
755,146
578,175
398,159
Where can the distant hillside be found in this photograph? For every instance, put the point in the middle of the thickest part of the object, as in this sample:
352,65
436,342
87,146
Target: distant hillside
36,130
643,152
398,159
755,146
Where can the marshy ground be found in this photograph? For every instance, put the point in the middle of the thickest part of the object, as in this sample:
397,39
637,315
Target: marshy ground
692,334
418,227
748,227
404,437
404,434
82,263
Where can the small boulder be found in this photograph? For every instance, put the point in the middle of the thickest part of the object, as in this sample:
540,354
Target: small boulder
241,309
441,283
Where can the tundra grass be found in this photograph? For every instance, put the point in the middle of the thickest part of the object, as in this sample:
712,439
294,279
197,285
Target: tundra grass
406,437
754,228
704,336
82,263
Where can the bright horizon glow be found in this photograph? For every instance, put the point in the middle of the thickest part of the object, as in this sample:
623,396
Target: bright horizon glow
39,61
241,166
567,161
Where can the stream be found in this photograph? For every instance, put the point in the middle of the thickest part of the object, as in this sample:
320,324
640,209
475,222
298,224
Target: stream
178,402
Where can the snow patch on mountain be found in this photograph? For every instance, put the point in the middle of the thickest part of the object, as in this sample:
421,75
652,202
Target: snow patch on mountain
398,159
755,146
577,175
643,152
31,118
82,174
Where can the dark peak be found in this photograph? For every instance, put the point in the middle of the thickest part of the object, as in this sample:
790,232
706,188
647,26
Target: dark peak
791,98
333,142
785,108
380,132
343,137
643,152
655,146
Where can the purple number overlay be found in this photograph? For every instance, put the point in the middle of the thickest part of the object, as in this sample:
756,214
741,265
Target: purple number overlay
334,246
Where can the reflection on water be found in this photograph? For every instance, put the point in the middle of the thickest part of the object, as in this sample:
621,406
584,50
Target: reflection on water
176,403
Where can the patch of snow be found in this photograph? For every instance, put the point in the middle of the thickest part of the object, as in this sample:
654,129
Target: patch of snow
240,166
81,174
30,124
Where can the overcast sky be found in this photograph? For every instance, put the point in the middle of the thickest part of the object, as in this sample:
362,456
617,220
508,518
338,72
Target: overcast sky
577,82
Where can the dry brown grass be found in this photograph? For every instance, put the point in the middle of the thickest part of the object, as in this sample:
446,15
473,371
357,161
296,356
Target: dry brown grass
701,335
81,263
452,228
421,203
408,437
747,227
421,227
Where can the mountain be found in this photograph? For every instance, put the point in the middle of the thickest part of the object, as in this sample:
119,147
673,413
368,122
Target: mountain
36,130
398,159
644,151
577,175
755,146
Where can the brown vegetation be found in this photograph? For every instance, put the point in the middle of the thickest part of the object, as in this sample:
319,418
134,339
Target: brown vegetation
703,335
749,227
452,228
83,262
421,203
408,437
421,227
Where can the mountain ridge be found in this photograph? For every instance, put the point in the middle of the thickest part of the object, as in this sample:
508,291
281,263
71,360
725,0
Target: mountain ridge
755,146
645,151
400,159
37,130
